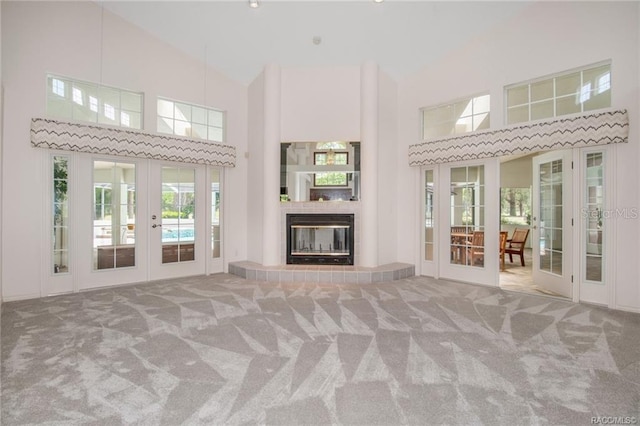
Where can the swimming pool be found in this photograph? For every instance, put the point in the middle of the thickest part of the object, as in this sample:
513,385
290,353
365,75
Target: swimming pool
171,235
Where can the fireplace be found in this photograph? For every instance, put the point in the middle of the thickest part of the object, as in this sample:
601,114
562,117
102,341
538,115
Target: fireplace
320,239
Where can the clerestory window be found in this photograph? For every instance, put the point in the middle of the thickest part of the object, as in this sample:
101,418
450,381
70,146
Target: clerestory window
571,92
94,103
462,116
194,121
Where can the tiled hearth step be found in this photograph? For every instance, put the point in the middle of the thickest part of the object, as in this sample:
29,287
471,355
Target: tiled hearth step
322,273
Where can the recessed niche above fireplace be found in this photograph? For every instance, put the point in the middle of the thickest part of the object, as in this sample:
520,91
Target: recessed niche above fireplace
320,171
320,239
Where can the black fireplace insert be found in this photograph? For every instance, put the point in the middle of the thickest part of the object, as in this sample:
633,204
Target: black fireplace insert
320,239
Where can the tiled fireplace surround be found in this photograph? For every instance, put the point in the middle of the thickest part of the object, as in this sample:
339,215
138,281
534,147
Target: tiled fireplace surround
321,273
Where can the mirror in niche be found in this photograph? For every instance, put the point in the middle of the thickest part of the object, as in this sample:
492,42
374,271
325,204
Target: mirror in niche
320,171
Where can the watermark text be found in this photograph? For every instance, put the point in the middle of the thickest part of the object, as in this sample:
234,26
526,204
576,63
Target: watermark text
614,420
622,213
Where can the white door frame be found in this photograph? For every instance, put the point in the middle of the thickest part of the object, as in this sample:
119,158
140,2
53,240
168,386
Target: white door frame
564,283
157,269
489,273
591,292
87,276
429,267
214,265
64,282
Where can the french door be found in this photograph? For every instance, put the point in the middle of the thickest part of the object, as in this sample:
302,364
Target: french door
141,220
552,222
176,221
468,232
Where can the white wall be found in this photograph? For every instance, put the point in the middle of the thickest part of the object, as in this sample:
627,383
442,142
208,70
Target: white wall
517,173
387,164
255,199
316,104
64,38
271,139
547,38
1,148
320,104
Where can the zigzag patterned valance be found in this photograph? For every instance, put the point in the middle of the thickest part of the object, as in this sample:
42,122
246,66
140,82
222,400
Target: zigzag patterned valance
600,128
53,134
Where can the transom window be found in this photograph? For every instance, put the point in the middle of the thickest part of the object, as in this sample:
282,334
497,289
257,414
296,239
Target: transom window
194,121
462,116
571,92
331,145
94,103
330,158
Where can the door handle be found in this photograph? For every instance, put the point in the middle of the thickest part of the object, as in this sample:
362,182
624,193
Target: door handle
156,226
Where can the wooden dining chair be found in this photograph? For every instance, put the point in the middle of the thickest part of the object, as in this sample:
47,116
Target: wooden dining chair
503,247
475,250
516,244
457,243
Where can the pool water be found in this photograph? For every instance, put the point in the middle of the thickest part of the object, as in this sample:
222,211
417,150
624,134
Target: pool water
170,235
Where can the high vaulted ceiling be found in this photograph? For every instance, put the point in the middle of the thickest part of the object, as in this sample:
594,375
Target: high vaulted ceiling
401,36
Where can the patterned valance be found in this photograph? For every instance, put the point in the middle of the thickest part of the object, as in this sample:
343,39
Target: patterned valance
54,134
600,128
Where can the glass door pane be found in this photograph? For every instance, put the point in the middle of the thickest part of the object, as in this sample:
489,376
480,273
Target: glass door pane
594,211
215,214
550,211
552,222
178,214
114,213
468,235
467,216
60,214
429,222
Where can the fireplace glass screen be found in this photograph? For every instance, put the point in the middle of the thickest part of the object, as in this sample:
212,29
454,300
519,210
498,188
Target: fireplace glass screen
320,239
